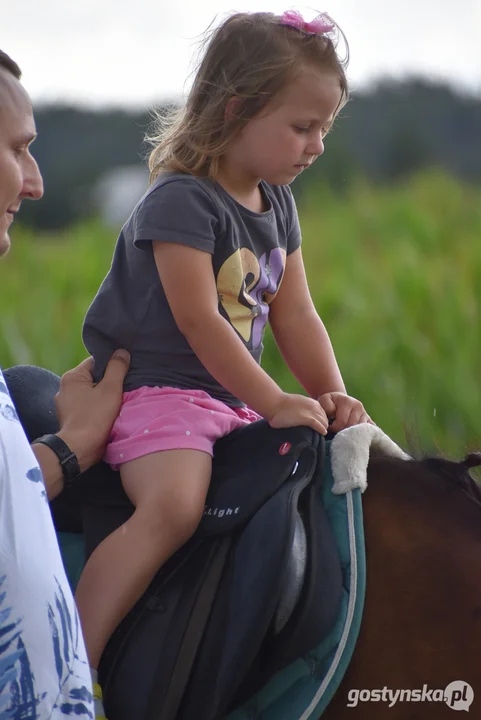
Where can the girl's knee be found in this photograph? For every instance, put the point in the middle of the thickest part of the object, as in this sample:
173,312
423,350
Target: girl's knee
168,518
184,522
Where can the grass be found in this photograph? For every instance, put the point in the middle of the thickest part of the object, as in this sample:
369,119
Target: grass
395,273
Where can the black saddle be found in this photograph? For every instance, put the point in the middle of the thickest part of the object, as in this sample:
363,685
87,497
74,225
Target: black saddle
257,586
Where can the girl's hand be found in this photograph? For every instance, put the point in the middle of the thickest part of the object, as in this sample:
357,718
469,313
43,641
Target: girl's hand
345,410
295,410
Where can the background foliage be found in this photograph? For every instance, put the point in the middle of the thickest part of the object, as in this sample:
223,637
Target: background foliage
386,133
395,272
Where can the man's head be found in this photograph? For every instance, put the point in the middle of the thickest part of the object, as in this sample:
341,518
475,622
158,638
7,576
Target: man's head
19,174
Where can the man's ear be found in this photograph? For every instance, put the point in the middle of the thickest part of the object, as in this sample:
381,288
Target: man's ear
232,108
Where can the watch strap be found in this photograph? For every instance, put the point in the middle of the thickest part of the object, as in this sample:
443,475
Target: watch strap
67,459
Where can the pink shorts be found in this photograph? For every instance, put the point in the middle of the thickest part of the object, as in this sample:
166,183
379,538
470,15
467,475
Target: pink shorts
152,419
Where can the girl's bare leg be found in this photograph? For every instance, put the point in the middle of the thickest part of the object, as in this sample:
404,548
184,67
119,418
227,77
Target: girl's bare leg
168,490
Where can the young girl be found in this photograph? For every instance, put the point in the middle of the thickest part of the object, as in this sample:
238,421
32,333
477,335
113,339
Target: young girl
196,274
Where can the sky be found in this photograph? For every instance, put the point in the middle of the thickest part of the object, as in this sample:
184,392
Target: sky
139,53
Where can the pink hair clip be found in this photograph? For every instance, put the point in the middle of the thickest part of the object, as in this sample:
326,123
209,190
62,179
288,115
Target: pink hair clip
320,25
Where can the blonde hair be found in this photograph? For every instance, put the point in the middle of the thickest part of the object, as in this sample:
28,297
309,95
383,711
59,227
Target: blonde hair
251,56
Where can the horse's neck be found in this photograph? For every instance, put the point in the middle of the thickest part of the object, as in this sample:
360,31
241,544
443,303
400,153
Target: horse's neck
423,539
422,615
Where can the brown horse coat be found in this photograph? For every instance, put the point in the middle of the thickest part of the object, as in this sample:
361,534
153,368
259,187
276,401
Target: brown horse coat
422,617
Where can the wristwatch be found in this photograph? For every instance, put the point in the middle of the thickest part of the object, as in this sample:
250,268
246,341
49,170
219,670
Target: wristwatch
67,459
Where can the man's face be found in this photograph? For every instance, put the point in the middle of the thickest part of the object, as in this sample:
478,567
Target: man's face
19,174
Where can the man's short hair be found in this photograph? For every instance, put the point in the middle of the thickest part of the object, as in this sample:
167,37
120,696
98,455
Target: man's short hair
10,65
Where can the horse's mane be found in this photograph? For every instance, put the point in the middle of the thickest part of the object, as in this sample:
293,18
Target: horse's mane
457,472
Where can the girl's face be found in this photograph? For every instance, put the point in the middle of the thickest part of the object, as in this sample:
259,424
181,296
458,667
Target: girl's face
281,142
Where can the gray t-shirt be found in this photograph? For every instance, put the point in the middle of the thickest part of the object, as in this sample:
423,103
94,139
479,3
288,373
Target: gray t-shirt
248,251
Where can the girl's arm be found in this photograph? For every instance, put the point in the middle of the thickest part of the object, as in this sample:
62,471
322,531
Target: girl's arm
188,281
300,333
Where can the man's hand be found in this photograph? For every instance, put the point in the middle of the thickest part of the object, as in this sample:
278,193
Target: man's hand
86,412
345,410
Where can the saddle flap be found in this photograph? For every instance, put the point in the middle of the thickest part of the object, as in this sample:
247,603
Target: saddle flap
250,465
296,631
143,650
245,605
319,601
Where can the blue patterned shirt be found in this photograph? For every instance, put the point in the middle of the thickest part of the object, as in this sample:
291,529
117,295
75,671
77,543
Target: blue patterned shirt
44,673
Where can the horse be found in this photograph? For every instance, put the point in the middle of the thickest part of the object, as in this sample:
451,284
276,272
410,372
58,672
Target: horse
417,654
421,625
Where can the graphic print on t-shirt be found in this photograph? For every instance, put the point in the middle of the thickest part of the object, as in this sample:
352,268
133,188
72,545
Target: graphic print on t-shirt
246,286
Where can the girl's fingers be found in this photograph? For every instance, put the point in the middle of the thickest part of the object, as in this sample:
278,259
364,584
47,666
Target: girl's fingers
356,416
342,418
319,425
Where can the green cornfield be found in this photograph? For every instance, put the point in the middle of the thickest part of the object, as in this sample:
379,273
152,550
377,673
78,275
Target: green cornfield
395,273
